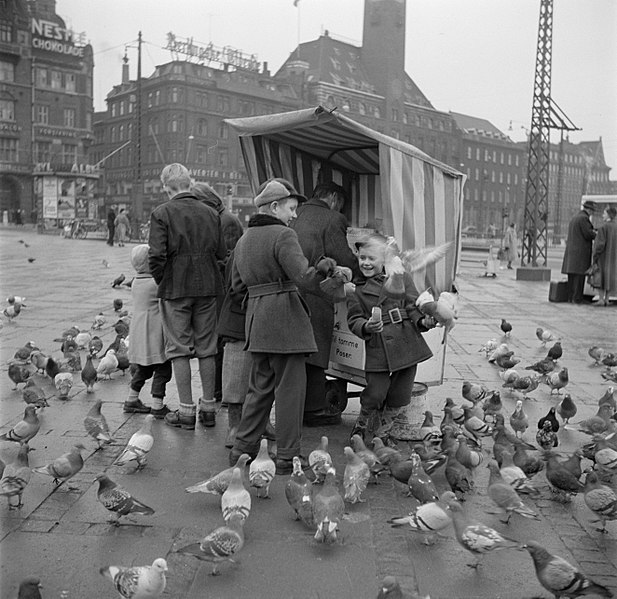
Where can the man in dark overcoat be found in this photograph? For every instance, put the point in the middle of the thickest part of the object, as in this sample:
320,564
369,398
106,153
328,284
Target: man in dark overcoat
322,231
111,226
269,266
577,257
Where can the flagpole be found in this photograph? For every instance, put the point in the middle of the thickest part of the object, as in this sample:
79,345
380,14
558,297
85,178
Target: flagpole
297,5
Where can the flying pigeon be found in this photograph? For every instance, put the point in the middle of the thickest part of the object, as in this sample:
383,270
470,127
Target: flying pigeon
139,445
31,260
355,477
476,537
329,507
561,578
236,499
118,281
108,364
25,429
16,477
65,466
443,310
138,582
262,470
299,494
320,460
29,588
118,500
217,484
219,545
96,425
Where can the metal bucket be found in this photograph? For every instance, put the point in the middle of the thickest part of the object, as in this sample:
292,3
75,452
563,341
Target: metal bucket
407,428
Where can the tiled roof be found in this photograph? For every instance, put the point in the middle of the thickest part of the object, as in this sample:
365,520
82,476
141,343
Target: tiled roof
477,126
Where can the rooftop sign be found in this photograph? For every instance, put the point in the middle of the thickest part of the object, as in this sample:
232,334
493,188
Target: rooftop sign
47,35
202,54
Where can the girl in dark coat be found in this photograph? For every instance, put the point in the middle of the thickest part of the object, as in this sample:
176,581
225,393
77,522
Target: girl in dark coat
605,254
394,345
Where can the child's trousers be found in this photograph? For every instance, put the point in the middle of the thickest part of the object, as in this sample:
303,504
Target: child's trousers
161,373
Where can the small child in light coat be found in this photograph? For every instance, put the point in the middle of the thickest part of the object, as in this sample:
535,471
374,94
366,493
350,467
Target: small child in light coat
394,344
147,346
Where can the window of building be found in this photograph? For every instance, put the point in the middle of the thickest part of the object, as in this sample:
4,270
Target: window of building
477,153
430,123
69,117
202,127
150,100
175,123
223,130
405,118
469,152
41,77
222,103
509,159
377,112
501,158
477,174
516,160
56,80
507,178
6,32
157,97
42,151
223,158
362,108
494,156
515,179
394,133
476,195
486,158
202,154
42,114
122,107
69,154
69,82
113,134
492,196
121,133
492,176
114,109
501,176
394,114
7,71
9,149
7,110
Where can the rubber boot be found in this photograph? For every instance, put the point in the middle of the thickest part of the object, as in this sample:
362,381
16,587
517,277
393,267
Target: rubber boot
234,414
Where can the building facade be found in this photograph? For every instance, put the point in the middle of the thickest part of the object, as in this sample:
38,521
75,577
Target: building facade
45,115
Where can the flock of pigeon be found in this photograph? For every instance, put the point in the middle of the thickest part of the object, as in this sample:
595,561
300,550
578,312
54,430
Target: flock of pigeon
456,445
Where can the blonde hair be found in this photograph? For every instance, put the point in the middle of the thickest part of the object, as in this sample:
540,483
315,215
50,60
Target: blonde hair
176,176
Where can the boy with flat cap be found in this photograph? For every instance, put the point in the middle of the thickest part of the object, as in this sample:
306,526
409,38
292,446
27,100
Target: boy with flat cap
269,266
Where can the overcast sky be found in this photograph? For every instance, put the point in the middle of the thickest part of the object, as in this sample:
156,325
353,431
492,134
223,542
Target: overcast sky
471,56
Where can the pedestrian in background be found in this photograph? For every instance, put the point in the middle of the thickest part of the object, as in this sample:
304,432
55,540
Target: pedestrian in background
268,265
394,344
577,257
322,231
122,225
510,243
111,226
232,231
605,254
147,346
186,244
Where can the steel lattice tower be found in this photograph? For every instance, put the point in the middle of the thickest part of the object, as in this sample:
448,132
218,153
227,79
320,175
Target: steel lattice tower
536,188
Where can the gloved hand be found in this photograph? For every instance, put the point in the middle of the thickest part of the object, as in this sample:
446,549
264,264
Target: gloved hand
325,266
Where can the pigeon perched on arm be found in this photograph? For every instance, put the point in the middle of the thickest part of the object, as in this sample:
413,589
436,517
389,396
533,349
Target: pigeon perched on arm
299,494
320,460
118,500
236,499
219,545
96,425
262,470
138,582
139,445
217,484
561,578
16,477
329,507
25,429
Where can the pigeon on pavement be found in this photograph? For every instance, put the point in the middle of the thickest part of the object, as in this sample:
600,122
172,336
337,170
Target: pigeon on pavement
555,352
546,437
561,479
320,460
544,335
99,321
558,380
262,470
598,423
118,500
299,494
566,408
108,364
506,327
16,477
544,366
355,476
89,374
18,373
12,311
138,582
329,507
118,280
23,353
63,382
95,345
459,477
505,497
34,395
600,499
96,425
217,484
367,456
421,485
219,545
25,429
519,420
561,578
65,466
596,353
236,499
83,339
139,445
39,360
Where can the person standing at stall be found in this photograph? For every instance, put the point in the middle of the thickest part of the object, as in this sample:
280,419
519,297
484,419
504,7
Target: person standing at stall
577,257
605,254
322,231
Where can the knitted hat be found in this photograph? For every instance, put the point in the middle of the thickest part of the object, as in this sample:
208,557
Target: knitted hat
139,258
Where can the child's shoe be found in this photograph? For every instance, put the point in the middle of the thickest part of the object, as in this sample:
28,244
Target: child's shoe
135,407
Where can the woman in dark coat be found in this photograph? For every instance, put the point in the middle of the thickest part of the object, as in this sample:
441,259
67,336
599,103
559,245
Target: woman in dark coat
577,257
605,254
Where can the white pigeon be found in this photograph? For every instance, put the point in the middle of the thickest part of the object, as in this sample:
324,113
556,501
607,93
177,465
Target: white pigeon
262,470
63,382
138,582
139,445
83,339
99,321
108,364
236,499
320,460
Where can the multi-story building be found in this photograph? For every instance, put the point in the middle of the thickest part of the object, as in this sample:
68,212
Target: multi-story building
495,167
45,114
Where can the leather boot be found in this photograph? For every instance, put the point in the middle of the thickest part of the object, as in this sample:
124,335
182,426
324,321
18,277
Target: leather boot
234,414
364,425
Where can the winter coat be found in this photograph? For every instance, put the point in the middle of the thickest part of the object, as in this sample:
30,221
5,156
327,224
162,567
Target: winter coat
509,245
230,223
147,345
322,232
577,257
122,225
398,346
605,254
186,240
232,317
111,219
269,264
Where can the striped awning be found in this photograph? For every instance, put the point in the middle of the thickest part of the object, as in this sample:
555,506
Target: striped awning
394,187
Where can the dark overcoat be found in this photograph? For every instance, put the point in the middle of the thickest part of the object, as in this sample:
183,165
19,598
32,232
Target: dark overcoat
577,257
232,316
186,241
605,253
269,264
399,345
322,232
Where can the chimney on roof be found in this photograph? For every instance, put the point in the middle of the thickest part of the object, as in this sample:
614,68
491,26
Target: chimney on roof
125,68
266,70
